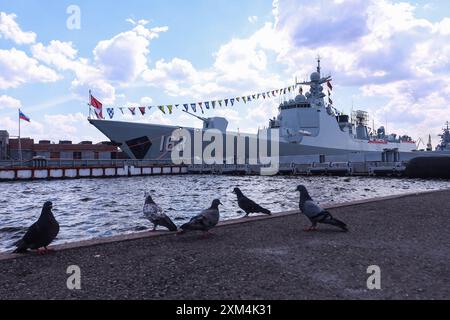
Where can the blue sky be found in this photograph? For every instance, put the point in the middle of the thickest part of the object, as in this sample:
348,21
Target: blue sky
388,57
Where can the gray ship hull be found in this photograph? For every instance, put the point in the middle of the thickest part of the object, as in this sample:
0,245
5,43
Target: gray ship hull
151,141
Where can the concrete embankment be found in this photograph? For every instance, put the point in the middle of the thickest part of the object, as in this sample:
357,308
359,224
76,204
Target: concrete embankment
24,173
264,258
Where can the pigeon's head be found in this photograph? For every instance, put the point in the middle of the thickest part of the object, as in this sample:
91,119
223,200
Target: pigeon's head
148,199
216,203
237,191
48,205
301,189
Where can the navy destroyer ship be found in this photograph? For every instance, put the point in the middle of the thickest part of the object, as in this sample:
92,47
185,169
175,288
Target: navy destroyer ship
305,127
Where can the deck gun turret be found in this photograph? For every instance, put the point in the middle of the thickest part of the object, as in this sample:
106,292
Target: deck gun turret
218,123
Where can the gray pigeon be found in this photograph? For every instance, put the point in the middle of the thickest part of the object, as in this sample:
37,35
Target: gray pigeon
249,206
41,233
205,221
315,213
155,214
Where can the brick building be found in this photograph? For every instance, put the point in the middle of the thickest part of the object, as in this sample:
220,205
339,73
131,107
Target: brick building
64,150
4,142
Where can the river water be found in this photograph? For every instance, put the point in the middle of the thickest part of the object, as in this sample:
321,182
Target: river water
93,208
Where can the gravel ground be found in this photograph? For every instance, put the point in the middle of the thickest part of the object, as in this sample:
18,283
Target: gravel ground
407,238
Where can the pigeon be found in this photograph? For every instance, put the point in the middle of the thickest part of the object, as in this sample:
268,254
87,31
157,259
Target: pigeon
315,213
249,206
154,213
205,221
41,233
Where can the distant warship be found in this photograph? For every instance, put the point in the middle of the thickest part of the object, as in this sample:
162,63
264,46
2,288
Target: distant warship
304,126
444,145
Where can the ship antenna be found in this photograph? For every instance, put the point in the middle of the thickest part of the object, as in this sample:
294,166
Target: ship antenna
318,64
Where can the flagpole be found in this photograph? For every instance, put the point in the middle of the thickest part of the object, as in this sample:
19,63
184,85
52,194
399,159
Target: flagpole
89,106
20,144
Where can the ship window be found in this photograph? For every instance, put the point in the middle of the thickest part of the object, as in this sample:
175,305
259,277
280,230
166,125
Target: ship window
295,106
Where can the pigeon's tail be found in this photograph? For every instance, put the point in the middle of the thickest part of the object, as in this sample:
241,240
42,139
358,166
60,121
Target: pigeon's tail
265,211
188,226
335,222
169,224
21,247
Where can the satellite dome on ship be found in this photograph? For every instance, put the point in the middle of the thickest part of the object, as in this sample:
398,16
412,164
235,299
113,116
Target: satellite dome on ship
315,76
300,98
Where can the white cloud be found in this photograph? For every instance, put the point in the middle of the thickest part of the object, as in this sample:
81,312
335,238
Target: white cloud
9,102
117,61
57,127
252,19
124,57
64,57
17,68
142,22
10,30
32,129
57,53
240,67
443,27
146,101
64,126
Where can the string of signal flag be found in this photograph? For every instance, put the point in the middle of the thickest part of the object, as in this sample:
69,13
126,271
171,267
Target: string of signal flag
197,106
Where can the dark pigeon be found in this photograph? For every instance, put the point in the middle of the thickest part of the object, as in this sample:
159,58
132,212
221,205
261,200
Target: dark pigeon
249,206
41,233
155,214
206,220
315,213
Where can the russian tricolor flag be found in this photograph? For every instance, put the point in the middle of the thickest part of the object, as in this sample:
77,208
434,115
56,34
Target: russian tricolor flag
22,116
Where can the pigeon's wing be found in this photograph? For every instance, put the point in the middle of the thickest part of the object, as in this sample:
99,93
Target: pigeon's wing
250,206
196,223
313,210
165,221
29,240
211,217
153,211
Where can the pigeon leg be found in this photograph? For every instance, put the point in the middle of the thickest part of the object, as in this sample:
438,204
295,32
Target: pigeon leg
312,228
207,234
154,227
48,250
